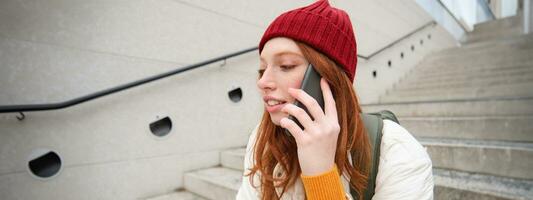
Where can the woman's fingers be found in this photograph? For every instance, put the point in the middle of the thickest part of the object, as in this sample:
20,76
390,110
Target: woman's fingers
293,128
299,114
330,108
309,102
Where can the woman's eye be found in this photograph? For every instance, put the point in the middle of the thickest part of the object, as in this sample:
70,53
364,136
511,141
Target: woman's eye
287,67
260,72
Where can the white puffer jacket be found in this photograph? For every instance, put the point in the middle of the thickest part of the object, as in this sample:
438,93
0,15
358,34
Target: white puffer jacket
405,170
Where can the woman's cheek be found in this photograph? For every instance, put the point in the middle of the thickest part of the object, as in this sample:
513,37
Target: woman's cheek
297,84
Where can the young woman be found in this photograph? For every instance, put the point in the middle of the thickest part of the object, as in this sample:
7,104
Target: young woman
308,164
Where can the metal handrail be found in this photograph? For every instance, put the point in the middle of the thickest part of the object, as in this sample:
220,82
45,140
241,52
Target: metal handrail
54,106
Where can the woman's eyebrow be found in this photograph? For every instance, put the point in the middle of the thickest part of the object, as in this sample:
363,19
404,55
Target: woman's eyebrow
283,53
288,53
278,55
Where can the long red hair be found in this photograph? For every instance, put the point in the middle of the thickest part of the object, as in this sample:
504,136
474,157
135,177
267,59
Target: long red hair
273,146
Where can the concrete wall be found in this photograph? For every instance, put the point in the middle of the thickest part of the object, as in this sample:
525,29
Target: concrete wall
56,50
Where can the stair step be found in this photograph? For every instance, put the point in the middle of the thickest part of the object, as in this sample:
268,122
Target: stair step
452,86
478,36
467,74
427,68
503,23
233,159
467,108
503,46
509,26
521,41
452,185
497,91
508,159
476,62
515,128
474,82
178,195
214,183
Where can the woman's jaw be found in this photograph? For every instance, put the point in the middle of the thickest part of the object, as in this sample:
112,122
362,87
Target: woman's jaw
277,116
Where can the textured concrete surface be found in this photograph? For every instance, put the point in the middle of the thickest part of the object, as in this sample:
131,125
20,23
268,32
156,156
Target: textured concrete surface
517,128
452,184
505,159
475,113
233,159
177,196
214,183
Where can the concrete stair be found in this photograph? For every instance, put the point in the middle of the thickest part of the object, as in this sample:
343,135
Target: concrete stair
223,182
472,92
483,71
517,74
497,158
472,108
233,159
497,128
178,195
452,184
458,108
501,28
214,183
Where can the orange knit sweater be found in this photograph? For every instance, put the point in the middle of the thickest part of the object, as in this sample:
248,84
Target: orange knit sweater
324,186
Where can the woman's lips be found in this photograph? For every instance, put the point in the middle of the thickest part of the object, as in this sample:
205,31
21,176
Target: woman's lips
274,108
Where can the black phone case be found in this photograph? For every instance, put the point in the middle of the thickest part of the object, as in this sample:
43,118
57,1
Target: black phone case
311,85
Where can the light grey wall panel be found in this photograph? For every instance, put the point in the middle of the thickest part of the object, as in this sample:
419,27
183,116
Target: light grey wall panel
162,30
41,73
127,179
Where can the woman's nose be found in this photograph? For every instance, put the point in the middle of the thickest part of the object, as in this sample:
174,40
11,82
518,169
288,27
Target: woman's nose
266,81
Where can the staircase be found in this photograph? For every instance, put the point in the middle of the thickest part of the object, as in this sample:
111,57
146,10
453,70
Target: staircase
471,107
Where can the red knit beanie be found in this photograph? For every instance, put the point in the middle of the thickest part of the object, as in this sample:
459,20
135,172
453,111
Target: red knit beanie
322,27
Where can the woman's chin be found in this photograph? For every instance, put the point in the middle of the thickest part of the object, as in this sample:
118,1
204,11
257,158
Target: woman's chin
276,118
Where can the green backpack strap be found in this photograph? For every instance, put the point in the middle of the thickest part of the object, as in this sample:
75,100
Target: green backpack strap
374,127
386,114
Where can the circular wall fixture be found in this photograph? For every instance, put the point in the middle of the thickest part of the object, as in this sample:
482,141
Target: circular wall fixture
44,164
161,127
235,95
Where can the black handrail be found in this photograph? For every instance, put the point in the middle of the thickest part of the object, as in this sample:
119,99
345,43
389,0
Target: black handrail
53,106
431,23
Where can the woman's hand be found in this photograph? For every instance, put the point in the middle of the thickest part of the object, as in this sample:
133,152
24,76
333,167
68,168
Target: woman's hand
317,143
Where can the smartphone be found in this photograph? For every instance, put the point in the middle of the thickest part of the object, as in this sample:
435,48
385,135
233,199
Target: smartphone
311,85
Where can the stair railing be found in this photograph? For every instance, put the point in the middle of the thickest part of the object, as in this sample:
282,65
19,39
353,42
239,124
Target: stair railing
78,100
